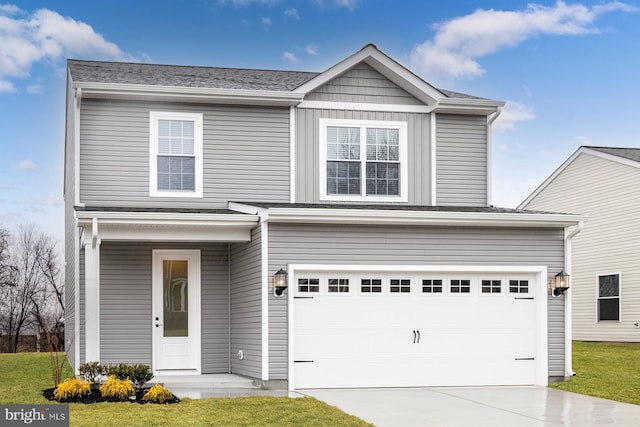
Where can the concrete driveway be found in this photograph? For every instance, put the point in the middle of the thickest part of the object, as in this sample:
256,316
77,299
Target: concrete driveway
478,407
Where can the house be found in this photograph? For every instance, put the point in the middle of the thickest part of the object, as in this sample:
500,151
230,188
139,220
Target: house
601,183
188,188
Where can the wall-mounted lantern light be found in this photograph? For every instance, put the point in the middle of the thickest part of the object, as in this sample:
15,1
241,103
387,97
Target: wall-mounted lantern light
559,283
280,282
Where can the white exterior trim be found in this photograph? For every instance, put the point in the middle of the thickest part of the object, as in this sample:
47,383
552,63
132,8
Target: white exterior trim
490,121
292,154
76,299
362,106
76,147
433,147
188,94
196,118
409,217
264,233
363,124
541,357
92,294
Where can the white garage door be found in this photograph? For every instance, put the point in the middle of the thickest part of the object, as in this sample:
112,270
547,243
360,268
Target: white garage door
414,329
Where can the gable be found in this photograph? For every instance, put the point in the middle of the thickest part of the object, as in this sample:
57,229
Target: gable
363,84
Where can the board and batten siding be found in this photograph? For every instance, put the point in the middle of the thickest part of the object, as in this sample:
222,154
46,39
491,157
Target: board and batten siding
607,193
126,303
386,245
362,84
308,151
461,160
246,306
245,154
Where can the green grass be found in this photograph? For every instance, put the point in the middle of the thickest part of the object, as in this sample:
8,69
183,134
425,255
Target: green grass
23,376
608,370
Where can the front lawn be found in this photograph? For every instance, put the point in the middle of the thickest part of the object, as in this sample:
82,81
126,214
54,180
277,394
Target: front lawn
23,376
608,370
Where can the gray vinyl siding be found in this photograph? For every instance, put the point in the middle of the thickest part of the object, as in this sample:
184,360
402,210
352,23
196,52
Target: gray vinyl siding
70,241
308,151
362,84
461,160
246,306
290,244
126,303
245,154
607,193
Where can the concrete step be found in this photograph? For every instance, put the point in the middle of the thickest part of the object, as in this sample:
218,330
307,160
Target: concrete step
206,381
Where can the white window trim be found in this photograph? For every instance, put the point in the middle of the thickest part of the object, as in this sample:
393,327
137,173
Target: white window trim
598,275
154,117
403,158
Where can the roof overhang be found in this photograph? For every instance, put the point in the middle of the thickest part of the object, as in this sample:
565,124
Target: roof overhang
165,226
468,106
187,94
408,217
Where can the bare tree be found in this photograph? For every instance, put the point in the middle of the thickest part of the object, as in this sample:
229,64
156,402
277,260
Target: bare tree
32,286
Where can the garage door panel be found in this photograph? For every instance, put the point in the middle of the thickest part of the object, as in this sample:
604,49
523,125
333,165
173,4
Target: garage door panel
413,339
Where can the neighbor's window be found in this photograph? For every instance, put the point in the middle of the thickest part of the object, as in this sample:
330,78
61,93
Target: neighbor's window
175,154
609,297
363,160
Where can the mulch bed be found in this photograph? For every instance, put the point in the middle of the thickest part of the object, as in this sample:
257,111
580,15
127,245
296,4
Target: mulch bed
96,397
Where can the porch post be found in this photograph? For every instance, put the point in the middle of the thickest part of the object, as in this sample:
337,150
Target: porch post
92,296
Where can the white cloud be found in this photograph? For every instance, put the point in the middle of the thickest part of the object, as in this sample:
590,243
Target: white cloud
266,20
512,113
6,86
349,4
290,58
35,89
9,9
292,13
583,140
46,35
25,165
458,43
311,49
250,2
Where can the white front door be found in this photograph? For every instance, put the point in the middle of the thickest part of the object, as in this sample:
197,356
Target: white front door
176,311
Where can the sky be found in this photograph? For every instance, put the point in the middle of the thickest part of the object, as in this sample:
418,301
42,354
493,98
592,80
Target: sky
568,71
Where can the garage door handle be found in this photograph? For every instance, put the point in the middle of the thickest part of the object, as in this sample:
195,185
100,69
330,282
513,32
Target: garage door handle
525,358
303,361
415,336
418,337
523,298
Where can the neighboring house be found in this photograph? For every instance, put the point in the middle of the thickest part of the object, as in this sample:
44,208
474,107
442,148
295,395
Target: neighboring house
601,183
188,188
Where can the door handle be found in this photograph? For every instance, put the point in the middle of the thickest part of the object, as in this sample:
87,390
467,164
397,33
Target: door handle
418,336
414,336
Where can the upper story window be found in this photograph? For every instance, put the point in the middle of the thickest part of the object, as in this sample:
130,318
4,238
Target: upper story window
175,154
363,160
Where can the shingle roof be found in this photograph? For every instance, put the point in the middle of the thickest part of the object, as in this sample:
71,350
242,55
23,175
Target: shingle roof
627,153
416,208
186,76
198,77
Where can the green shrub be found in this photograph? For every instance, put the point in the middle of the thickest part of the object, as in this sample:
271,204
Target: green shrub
157,394
116,388
138,374
92,371
71,388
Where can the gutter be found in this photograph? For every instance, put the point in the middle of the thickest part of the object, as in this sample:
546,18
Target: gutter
568,314
191,94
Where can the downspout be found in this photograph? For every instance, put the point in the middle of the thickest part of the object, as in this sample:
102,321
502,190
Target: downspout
568,339
492,119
